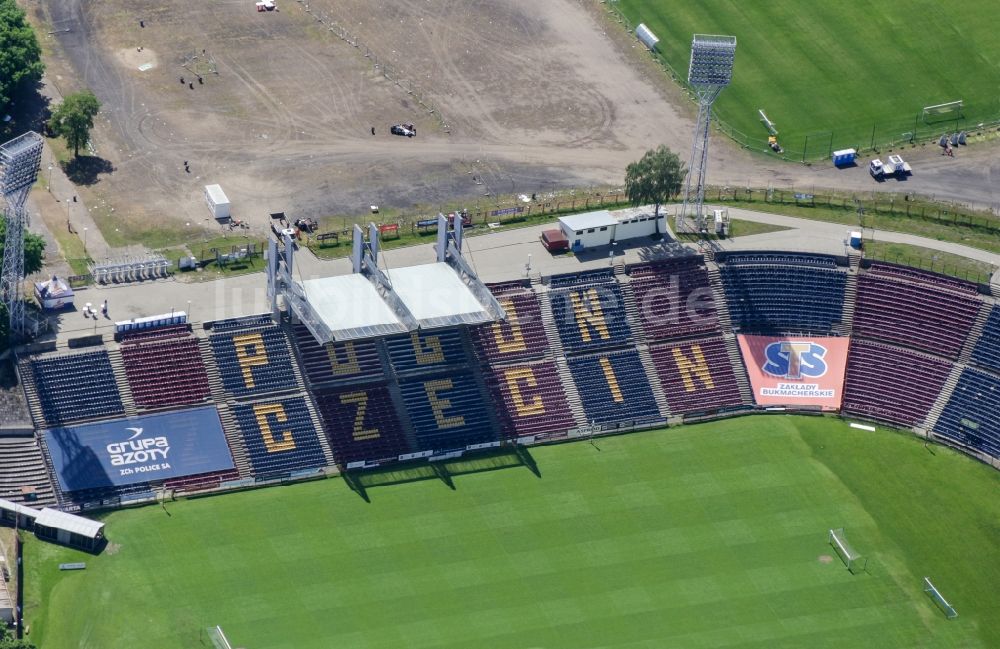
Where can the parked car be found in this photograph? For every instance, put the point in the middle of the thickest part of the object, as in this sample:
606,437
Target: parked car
554,240
403,129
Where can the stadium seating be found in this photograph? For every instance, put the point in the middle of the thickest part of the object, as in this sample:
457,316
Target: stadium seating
972,415
279,435
530,399
336,362
74,387
913,315
521,336
674,298
246,322
24,477
987,351
583,278
165,372
918,276
891,384
447,412
697,376
613,387
254,361
361,423
783,292
159,333
590,316
201,481
419,351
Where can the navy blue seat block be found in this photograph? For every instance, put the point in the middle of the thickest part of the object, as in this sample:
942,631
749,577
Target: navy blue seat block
447,412
613,387
279,435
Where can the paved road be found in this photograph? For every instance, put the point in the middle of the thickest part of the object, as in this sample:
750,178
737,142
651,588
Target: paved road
495,257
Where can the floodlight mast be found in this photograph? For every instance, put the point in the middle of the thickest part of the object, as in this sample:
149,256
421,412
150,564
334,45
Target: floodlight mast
710,71
19,162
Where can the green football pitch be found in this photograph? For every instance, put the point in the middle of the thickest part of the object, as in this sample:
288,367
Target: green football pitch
712,535
837,71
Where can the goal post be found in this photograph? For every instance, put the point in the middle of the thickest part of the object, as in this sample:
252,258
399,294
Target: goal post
217,638
946,112
939,599
852,559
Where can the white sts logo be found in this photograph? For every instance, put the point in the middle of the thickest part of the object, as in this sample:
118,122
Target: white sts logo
137,449
795,360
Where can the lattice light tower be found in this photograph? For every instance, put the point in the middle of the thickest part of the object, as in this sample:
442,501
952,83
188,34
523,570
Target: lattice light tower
710,71
19,161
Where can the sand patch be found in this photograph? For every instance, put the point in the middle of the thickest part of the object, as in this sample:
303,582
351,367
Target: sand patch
825,558
135,59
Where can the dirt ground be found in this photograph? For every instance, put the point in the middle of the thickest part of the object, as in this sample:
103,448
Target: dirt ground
527,96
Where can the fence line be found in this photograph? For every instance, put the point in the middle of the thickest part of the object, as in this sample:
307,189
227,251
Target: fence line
389,69
905,132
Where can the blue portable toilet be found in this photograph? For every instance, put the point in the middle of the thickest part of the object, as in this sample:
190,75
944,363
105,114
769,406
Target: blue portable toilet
856,240
844,157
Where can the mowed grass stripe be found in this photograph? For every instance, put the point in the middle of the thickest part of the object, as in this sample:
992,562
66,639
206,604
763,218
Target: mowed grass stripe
702,536
842,66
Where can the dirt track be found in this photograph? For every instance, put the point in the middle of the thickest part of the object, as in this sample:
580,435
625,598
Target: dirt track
535,95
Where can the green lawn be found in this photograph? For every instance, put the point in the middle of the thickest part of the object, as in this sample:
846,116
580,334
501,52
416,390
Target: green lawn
840,67
712,535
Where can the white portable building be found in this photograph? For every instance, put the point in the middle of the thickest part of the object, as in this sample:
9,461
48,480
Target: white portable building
588,230
218,203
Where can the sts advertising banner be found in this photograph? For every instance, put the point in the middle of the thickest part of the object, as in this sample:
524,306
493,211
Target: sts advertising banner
795,371
138,449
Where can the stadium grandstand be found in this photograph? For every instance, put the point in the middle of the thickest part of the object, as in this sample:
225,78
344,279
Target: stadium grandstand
415,375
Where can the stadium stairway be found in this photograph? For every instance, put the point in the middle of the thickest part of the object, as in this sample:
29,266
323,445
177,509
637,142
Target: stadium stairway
943,397
718,293
27,379
850,302
726,323
124,389
965,356
654,379
562,367
396,394
317,422
480,379
229,427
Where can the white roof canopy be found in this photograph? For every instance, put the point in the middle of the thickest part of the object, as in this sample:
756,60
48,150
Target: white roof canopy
351,307
587,220
70,522
436,296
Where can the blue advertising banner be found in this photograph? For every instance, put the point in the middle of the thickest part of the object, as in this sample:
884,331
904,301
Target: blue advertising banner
138,449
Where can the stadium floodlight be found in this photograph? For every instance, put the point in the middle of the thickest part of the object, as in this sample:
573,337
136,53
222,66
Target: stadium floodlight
20,159
855,562
710,70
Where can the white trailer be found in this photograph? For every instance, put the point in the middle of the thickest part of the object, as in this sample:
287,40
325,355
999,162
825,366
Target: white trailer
647,37
218,203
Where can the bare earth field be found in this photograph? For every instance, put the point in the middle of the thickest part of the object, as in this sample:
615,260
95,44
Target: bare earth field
527,96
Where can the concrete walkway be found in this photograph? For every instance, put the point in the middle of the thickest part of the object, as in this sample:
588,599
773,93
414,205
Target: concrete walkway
497,256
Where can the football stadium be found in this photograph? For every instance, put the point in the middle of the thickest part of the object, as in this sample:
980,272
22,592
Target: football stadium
664,433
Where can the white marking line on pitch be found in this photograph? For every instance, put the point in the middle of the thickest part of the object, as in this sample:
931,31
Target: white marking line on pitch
863,427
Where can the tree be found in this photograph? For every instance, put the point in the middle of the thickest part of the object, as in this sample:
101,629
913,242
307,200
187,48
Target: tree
74,118
8,640
34,248
20,55
655,178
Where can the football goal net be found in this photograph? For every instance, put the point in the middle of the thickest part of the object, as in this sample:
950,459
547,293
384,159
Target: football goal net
217,638
939,599
852,559
946,112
